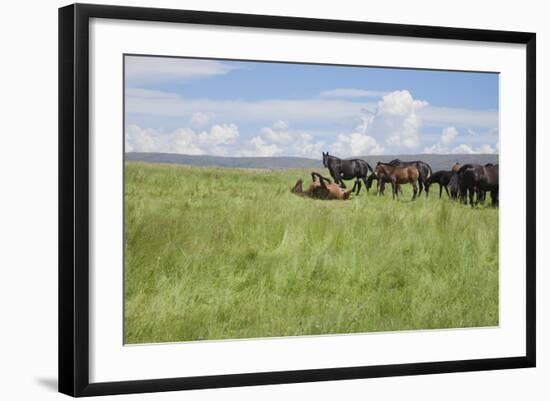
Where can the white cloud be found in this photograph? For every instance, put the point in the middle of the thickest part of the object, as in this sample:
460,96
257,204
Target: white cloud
351,93
224,134
151,95
445,116
280,125
356,144
397,117
279,140
436,149
467,149
273,135
448,135
485,148
199,119
282,141
157,103
259,147
181,140
359,142
139,140
399,103
146,102
162,69
393,124
463,148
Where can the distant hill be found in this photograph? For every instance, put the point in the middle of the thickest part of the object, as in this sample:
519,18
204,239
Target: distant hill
437,162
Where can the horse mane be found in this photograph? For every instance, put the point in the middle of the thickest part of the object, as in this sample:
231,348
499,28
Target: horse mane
464,167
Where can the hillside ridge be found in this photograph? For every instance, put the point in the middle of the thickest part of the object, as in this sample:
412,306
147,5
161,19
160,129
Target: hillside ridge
436,161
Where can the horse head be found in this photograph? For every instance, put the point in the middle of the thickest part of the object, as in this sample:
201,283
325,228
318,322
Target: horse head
325,159
377,169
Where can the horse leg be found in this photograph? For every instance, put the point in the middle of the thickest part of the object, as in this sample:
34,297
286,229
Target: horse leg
365,182
342,183
354,186
440,190
393,189
337,178
446,190
479,197
471,192
415,189
421,186
358,182
494,197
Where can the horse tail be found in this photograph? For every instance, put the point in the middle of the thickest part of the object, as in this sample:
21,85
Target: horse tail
429,170
369,168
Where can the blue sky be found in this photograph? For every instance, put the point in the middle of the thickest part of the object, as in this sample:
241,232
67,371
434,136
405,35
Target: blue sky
240,108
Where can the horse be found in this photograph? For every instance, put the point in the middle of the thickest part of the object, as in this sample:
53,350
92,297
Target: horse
454,185
398,175
320,188
475,179
379,184
347,170
424,170
441,177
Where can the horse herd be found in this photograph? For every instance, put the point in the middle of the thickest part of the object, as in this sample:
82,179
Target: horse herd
468,182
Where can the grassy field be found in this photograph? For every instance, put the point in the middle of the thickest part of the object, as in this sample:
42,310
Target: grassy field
214,253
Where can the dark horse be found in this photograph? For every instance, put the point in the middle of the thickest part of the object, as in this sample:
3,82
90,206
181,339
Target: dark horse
443,178
424,171
347,170
454,182
476,179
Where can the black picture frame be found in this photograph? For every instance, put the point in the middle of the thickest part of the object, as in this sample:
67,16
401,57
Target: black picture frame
74,198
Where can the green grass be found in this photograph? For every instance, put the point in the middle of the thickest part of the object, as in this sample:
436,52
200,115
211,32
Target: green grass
215,253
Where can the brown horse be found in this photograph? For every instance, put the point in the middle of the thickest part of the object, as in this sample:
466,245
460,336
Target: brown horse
321,188
398,175
476,179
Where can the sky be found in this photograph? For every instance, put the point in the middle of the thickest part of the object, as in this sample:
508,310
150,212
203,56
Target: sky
245,108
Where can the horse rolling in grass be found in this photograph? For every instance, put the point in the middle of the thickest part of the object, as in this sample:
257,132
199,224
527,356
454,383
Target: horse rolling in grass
398,175
320,188
347,170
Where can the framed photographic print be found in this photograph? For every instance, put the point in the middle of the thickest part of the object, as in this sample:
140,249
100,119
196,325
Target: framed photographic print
251,199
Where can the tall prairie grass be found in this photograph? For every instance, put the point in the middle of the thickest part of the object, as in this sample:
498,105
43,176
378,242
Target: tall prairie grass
214,253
